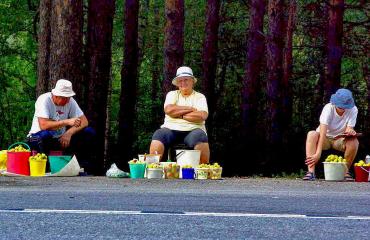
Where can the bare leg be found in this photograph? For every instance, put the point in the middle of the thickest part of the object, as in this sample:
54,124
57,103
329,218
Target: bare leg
156,147
311,146
204,152
351,150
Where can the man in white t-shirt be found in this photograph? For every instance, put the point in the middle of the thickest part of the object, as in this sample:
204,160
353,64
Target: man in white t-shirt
185,114
337,117
59,124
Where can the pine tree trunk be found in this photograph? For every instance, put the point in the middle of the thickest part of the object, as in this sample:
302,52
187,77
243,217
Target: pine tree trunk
173,41
43,79
155,70
275,45
66,43
129,76
288,64
99,41
209,56
335,50
256,47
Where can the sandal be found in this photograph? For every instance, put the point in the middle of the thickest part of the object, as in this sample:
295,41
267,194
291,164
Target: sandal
348,177
310,176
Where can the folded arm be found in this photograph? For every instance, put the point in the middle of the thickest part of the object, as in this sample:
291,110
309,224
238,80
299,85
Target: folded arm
49,124
196,116
175,111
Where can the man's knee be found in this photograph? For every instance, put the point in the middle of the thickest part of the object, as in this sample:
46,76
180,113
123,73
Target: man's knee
313,135
163,136
352,144
196,137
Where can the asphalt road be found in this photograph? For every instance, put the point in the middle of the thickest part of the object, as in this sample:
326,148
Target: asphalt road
103,208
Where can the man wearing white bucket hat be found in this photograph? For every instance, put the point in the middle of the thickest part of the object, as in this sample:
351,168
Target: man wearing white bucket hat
185,114
59,123
337,118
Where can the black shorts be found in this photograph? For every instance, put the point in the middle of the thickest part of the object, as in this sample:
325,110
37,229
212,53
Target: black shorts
170,137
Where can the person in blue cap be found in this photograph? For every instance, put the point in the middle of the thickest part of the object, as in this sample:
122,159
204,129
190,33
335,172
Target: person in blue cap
337,117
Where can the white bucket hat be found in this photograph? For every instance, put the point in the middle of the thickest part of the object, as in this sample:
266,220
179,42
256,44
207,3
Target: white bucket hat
63,88
183,72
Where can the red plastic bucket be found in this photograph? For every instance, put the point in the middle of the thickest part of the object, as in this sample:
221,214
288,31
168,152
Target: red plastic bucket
362,174
17,162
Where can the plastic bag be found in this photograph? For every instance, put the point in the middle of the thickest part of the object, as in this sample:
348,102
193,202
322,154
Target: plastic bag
115,172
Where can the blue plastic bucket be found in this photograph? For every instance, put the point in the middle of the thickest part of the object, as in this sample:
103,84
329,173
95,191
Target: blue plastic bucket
188,173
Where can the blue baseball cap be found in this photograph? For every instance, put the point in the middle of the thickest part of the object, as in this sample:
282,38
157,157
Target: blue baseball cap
343,99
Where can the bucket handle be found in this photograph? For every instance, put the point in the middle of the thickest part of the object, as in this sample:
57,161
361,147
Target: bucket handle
365,169
19,143
180,153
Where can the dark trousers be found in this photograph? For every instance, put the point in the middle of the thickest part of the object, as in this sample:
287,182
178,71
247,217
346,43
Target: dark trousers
83,145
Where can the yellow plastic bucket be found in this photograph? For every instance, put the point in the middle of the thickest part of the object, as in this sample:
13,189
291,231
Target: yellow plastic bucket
38,167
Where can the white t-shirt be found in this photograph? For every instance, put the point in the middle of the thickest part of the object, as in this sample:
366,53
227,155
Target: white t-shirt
337,124
45,108
195,100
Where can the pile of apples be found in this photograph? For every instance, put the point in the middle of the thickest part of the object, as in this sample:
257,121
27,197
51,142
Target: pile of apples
136,161
362,163
19,148
172,170
187,166
335,158
39,157
154,165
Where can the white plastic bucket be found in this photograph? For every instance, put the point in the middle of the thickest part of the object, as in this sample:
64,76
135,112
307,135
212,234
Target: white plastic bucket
187,157
334,171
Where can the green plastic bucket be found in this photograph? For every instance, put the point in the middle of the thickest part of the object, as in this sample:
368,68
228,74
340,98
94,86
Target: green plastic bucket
137,170
58,162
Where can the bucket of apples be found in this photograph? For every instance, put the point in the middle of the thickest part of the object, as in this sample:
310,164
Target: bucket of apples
335,168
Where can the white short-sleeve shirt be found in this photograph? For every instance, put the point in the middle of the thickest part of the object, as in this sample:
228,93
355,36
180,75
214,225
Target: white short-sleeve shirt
45,108
337,124
195,100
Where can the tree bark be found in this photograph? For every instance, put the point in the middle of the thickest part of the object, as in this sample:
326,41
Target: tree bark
43,78
66,43
98,51
173,41
288,64
255,49
335,50
155,70
209,56
129,75
275,45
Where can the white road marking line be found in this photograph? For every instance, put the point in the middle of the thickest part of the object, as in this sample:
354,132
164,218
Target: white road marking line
204,214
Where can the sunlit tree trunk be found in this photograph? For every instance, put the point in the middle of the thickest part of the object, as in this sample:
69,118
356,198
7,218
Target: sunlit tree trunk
129,76
335,49
43,57
255,51
209,56
98,52
275,45
288,64
173,41
66,43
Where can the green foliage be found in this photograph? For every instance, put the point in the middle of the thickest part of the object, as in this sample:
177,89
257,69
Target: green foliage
18,69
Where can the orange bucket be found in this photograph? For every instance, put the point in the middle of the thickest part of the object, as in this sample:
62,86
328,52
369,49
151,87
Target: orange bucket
17,162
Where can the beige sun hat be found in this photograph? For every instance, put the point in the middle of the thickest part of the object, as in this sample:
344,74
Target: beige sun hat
183,72
63,88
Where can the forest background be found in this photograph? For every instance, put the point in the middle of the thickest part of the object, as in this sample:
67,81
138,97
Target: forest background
266,67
